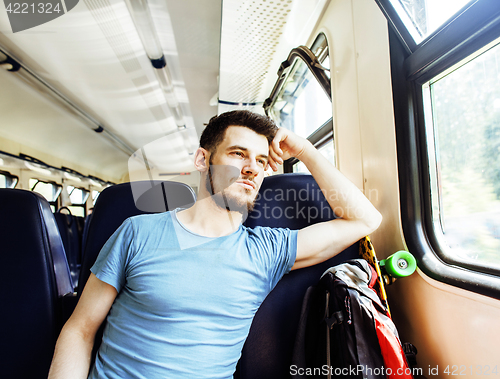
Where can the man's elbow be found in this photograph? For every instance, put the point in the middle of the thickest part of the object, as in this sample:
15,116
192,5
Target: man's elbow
372,221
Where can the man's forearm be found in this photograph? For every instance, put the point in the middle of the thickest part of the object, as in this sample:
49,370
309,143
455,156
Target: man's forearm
345,199
72,355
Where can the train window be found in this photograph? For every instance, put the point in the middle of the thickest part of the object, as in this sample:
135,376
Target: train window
421,17
7,180
302,105
463,124
78,197
77,210
326,149
49,190
95,195
301,98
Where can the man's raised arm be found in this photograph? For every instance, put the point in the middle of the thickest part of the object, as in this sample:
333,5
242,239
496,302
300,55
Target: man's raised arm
357,217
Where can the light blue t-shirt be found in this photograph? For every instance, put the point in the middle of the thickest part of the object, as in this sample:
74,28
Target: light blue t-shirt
185,302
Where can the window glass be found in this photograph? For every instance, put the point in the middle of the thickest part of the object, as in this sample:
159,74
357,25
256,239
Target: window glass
463,123
422,17
77,210
77,195
300,100
50,191
328,150
302,105
7,180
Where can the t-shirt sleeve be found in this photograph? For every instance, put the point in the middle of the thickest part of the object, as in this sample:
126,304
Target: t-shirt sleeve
111,263
280,247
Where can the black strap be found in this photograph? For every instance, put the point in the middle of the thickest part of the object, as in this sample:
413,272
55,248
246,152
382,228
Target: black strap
328,328
335,319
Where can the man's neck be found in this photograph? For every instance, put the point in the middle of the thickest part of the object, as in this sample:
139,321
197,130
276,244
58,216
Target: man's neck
206,218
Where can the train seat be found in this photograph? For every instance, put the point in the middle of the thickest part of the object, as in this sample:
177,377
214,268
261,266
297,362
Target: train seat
289,201
85,233
34,280
71,237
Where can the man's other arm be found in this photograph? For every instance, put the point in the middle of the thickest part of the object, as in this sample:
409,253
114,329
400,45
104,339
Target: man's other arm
74,346
357,217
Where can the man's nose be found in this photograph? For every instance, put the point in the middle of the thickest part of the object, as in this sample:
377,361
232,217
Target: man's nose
250,167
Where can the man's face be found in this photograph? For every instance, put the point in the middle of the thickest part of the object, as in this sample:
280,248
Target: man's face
237,169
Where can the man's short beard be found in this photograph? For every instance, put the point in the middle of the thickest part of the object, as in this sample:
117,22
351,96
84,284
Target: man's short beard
226,200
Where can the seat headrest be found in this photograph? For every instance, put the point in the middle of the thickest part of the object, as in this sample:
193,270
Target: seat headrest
28,228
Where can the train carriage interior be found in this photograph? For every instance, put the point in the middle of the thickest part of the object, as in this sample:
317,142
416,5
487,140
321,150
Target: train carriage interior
402,96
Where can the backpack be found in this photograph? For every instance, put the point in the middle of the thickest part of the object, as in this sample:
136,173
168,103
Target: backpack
345,331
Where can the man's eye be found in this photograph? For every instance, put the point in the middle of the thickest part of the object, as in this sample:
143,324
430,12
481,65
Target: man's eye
238,153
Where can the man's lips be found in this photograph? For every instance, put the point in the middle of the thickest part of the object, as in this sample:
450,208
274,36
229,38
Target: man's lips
247,184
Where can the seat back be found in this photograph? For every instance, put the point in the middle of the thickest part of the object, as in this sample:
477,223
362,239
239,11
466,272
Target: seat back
117,203
71,237
35,276
289,201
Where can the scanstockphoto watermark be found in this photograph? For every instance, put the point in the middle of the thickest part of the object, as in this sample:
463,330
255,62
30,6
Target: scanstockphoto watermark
354,371
27,14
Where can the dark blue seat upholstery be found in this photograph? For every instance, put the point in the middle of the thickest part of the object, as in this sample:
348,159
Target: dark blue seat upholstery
35,276
85,233
290,201
71,236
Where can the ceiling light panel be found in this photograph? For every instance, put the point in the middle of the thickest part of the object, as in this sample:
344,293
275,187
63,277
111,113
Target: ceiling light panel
251,31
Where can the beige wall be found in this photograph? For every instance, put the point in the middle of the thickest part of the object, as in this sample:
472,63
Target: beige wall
448,325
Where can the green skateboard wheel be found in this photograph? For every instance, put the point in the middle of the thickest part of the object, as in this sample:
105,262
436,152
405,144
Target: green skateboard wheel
399,264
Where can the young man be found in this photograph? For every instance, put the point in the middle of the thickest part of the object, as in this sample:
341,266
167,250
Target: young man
182,287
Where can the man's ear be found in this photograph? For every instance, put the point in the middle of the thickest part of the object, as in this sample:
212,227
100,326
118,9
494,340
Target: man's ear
201,159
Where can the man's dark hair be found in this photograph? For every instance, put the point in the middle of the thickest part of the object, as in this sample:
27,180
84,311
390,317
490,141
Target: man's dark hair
215,131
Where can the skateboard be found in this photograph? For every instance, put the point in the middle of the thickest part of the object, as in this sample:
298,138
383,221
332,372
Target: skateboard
398,265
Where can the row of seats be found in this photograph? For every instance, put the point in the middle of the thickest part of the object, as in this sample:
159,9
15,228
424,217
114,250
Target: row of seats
291,200
34,282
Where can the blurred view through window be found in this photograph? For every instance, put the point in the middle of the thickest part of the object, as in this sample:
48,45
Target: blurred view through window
463,124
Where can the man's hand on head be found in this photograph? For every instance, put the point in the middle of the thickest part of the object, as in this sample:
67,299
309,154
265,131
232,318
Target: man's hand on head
285,145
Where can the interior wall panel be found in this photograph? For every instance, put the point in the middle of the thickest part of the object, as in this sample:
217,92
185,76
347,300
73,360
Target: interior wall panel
448,325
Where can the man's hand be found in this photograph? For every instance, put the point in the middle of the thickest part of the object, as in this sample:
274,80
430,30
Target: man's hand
285,145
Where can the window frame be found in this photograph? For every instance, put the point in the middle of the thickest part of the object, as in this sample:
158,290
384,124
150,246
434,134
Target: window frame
318,138
324,133
477,25
9,175
74,205
54,203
